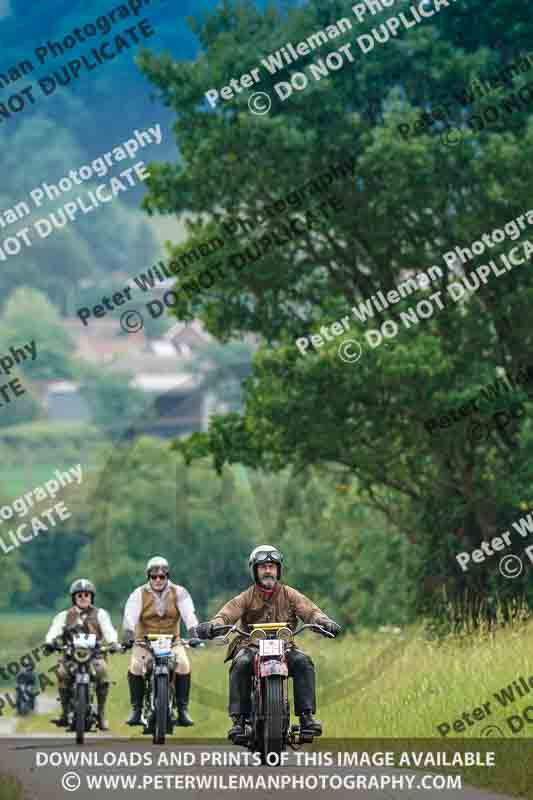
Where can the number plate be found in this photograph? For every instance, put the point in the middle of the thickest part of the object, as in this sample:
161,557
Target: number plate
270,647
162,646
86,640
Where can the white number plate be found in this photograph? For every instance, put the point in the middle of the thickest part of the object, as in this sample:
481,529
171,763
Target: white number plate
270,647
87,640
162,647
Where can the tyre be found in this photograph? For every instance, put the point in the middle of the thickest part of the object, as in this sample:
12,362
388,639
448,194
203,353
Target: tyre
273,713
160,709
81,705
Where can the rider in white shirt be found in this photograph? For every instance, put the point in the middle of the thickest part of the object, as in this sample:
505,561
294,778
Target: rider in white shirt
157,607
84,616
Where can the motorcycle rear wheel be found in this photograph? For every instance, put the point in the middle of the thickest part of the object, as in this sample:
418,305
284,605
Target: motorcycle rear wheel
160,709
81,704
273,711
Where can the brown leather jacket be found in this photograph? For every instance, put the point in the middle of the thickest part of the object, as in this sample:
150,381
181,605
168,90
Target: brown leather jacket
252,607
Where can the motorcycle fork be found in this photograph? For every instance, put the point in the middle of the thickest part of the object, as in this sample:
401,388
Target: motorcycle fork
162,669
258,705
259,712
157,668
85,669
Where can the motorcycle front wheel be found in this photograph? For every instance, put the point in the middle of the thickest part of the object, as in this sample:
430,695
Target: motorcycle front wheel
273,708
160,709
81,704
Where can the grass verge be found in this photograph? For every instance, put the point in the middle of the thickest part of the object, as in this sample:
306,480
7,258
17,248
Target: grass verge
10,788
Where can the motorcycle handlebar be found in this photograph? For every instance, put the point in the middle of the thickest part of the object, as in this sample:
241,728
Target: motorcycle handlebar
218,630
100,649
192,642
146,643
314,626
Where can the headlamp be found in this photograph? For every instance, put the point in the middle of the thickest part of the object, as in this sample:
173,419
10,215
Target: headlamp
81,655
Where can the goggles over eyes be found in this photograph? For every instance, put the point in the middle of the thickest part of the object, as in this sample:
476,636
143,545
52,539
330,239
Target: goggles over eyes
267,555
161,575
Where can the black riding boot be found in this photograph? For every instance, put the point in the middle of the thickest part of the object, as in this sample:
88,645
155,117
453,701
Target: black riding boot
183,690
308,723
136,684
101,696
238,726
64,698
240,685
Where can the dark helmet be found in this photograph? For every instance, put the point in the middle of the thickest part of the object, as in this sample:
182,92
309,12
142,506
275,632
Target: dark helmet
264,554
82,585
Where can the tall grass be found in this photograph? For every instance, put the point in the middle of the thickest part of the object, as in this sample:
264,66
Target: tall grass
388,684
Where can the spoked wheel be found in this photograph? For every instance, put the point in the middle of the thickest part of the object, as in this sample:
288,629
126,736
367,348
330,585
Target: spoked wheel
81,704
273,718
160,709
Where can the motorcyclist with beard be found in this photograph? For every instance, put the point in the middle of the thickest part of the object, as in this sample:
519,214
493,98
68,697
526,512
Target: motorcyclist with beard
157,607
268,600
83,617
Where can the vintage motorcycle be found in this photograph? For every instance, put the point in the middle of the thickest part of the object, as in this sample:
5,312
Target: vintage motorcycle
268,730
159,683
79,653
26,691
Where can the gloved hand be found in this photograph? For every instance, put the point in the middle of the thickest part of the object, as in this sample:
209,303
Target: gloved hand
195,642
115,647
49,648
128,637
329,625
204,630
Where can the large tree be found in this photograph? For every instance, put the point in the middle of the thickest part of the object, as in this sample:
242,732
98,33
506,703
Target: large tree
407,203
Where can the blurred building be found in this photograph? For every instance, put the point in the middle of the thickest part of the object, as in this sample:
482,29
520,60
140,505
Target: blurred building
165,370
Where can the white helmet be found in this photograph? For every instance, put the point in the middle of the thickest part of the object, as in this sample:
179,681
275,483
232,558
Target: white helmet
157,562
264,554
82,585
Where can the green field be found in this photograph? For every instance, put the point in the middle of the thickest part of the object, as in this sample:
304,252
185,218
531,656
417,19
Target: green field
386,685
18,479
19,633
10,788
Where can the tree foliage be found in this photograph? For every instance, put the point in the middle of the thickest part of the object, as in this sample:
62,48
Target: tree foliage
409,202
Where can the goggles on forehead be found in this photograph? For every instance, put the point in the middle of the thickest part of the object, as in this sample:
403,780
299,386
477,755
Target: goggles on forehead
268,555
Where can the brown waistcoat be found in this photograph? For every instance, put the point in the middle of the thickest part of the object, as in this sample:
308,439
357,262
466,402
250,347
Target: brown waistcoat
90,623
252,607
151,622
